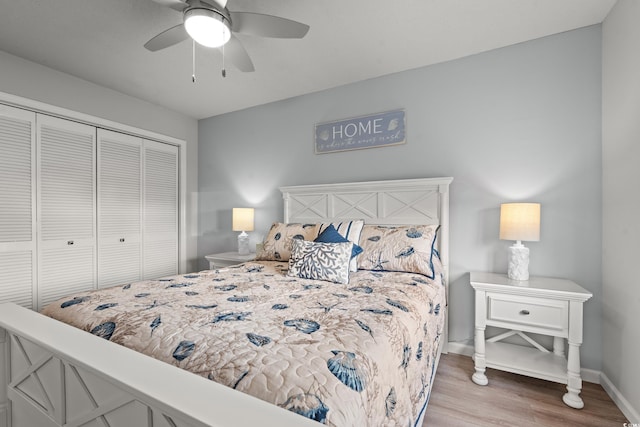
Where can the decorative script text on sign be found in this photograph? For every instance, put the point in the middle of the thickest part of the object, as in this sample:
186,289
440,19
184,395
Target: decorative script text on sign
376,130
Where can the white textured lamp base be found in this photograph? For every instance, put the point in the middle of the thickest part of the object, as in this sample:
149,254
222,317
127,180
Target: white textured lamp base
518,262
243,244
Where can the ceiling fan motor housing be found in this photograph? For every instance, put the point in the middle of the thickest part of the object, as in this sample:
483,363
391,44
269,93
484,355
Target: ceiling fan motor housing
209,15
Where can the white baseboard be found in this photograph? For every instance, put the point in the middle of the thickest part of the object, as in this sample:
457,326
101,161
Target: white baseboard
588,375
460,348
632,414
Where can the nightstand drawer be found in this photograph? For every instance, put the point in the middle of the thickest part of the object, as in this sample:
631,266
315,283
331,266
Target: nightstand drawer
527,313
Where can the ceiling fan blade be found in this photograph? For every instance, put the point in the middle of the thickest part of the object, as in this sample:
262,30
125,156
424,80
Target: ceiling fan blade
237,55
173,35
257,24
178,5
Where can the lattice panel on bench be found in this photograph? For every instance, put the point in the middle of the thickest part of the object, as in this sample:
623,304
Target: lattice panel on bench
37,377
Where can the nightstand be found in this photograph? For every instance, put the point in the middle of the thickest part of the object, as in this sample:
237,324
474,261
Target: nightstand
541,305
226,259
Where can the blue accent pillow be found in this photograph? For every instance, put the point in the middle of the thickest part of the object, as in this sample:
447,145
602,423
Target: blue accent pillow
350,230
331,235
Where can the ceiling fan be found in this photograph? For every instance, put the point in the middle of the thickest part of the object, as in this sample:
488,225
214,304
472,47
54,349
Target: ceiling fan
211,24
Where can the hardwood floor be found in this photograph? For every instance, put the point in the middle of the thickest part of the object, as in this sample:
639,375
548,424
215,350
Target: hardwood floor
511,400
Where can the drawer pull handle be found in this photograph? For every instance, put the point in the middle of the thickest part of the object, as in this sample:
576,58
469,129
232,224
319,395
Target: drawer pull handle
524,312
122,240
69,242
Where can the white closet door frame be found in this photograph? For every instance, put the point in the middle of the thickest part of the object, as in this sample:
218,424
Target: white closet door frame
79,243
110,240
26,246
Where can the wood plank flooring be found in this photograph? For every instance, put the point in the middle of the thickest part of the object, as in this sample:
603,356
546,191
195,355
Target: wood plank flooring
511,400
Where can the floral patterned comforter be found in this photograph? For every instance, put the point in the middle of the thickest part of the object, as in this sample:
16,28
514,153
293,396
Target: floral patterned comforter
359,354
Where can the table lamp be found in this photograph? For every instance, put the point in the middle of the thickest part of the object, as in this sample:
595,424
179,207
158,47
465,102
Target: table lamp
519,221
243,222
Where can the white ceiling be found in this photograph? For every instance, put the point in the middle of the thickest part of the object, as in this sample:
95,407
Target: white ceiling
350,40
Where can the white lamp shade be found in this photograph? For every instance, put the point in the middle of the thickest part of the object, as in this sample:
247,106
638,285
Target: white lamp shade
242,219
520,221
206,27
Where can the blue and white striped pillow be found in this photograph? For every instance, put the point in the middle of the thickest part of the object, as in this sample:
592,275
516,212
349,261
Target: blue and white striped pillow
351,231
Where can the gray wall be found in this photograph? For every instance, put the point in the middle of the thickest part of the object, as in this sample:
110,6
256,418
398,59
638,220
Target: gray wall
521,123
621,201
36,82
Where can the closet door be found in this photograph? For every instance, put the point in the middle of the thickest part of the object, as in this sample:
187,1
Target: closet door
119,208
17,206
160,206
66,208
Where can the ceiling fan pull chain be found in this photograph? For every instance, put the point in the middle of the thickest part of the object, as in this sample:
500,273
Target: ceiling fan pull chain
224,71
193,61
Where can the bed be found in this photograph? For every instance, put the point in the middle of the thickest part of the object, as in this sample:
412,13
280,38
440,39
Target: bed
268,340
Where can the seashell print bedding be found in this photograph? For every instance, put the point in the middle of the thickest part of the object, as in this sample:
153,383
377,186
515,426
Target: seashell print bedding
360,354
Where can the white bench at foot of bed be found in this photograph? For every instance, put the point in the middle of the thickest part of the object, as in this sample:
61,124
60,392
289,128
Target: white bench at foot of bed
54,375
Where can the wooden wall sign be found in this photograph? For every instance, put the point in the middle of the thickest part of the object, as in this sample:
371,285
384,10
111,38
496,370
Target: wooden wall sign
374,130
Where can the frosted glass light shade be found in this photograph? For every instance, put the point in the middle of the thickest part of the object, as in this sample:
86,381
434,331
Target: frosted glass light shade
242,219
207,27
520,221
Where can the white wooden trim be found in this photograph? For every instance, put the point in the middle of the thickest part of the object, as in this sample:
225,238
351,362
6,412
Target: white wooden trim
317,203
52,110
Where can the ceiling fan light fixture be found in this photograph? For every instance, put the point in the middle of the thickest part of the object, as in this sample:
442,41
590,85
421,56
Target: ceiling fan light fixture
207,27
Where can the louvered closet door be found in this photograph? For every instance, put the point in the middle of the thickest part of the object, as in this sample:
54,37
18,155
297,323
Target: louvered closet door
17,206
66,207
119,208
160,210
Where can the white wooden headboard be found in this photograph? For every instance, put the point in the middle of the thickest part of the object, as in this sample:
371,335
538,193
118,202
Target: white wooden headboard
396,202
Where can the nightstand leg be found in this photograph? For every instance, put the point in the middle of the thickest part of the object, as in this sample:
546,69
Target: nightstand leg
558,346
574,381
479,376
